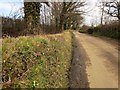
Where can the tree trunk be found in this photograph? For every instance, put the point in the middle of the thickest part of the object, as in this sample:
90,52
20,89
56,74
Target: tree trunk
32,16
65,25
61,23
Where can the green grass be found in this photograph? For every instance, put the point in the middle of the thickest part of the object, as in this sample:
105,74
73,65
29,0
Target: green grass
37,61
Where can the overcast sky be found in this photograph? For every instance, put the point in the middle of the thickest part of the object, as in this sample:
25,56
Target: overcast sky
8,6
93,14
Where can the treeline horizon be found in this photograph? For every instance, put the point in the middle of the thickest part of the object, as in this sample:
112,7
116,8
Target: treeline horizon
55,17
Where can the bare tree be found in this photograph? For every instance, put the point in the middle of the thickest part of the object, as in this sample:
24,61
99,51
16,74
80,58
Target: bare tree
69,9
102,12
113,8
65,11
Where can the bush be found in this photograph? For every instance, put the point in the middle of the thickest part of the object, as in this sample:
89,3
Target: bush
82,31
12,27
90,31
37,62
110,30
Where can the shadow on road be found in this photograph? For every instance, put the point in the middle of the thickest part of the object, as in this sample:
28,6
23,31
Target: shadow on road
78,75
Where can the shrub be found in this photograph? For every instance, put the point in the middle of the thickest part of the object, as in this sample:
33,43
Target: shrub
82,31
90,30
37,62
110,30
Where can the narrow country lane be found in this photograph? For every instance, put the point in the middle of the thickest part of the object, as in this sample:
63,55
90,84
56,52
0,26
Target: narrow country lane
100,62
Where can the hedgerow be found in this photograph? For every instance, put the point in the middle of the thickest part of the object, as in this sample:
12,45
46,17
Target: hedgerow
36,61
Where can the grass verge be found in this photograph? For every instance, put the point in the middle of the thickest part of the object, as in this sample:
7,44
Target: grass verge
37,61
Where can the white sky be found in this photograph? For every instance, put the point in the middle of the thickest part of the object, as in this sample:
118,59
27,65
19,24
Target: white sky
8,6
93,14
